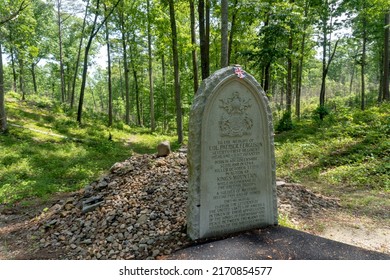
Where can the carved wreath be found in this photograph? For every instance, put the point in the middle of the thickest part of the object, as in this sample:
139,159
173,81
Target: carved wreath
235,121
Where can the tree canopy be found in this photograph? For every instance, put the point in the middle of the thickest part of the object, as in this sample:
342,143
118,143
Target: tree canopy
297,49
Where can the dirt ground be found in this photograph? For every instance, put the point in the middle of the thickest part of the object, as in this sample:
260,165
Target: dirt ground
17,224
358,231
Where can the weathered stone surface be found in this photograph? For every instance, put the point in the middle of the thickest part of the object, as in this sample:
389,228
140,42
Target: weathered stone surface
232,184
163,149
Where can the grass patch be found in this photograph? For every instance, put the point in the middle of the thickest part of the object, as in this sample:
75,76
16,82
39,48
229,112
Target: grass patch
36,162
32,166
284,220
347,154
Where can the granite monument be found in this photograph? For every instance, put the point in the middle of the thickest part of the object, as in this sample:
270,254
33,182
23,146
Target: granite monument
232,184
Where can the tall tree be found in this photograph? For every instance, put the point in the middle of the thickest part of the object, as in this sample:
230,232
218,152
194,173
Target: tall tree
207,29
204,35
301,55
94,31
42,39
232,29
151,84
364,59
193,42
4,18
109,79
125,62
327,11
3,115
76,70
224,33
179,122
386,58
290,64
138,99
61,55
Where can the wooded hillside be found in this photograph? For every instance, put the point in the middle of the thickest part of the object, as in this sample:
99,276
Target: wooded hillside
88,85
140,62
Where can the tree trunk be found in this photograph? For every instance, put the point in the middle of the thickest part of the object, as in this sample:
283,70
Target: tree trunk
34,78
21,78
137,99
207,46
62,75
204,39
164,94
126,69
14,75
179,125
351,81
380,76
3,115
109,74
267,67
297,93
120,79
193,42
324,70
78,57
386,60
267,77
69,82
94,31
232,29
363,89
324,75
289,76
151,95
298,90
85,68
224,33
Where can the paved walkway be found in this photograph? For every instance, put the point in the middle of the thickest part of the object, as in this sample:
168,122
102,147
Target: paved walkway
277,243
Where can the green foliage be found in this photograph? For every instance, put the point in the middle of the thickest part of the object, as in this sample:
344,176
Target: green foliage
320,113
350,153
347,155
284,220
285,123
38,164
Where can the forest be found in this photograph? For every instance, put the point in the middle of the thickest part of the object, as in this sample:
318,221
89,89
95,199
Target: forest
86,84
139,63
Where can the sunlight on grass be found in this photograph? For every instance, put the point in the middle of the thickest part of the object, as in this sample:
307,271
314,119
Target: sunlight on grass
285,221
40,163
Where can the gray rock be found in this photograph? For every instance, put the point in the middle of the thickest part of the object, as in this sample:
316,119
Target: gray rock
91,204
102,185
142,219
163,149
155,253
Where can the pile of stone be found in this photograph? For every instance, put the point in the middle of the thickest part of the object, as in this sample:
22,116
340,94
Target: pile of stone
138,211
135,212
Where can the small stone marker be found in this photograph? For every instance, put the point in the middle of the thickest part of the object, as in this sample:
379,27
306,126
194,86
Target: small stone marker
232,183
163,149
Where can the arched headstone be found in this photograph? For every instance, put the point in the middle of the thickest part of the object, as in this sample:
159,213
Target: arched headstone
232,184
